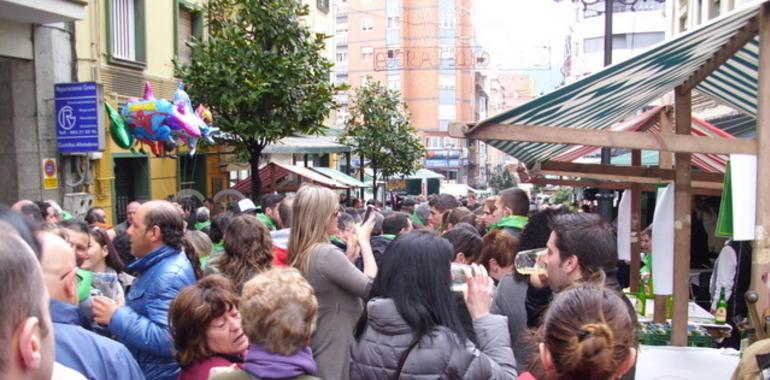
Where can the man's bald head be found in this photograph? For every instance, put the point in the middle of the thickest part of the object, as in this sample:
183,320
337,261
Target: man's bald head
59,265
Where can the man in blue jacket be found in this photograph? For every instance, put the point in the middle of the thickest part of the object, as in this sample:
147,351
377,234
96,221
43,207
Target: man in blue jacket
93,355
163,270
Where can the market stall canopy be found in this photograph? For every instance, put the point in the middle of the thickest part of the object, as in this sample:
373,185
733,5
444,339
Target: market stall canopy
341,177
714,163
719,59
287,178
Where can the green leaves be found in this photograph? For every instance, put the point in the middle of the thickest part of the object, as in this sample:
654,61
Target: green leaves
379,128
261,71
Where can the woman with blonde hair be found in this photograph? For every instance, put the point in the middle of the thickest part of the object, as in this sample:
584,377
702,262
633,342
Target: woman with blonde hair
339,286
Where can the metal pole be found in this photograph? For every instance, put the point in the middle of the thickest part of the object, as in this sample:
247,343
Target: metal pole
605,195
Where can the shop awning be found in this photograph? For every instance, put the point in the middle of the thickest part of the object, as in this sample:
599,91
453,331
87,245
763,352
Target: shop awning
601,100
287,178
341,177
306,145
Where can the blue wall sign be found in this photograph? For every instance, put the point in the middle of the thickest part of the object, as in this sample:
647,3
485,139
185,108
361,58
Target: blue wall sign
79,124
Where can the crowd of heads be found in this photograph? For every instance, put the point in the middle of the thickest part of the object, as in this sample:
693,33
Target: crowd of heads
251,291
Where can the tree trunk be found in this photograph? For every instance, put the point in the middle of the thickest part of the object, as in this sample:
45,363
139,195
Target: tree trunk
374,181
256,182
361,175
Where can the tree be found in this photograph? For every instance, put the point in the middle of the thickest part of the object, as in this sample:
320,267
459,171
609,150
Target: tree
501,179
261,72
379,129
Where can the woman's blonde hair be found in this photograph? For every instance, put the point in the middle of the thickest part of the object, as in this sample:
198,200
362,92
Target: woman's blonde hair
313,208
279,310
200,242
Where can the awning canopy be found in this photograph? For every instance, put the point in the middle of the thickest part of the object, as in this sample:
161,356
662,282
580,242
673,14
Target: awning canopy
341,177
650,121
308,145
287,178
603,99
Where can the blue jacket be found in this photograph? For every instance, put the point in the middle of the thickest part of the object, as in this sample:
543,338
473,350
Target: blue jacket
91,354
142,325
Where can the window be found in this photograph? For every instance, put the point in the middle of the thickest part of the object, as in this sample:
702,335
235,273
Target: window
433,142
367,54
623,41
446,20
448,52
323,5
394,22
342,57
367,24
446,81
189,24
394,83
447,112
393,53
127,34
341,34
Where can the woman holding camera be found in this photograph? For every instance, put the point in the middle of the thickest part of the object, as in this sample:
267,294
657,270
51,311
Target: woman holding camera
410,328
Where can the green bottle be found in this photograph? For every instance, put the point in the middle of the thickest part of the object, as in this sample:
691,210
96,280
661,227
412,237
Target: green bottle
720,316
641,298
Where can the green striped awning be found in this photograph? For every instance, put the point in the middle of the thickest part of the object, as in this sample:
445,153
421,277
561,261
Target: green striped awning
619,91
341,177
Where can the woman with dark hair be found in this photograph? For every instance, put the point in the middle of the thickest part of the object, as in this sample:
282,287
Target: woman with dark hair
108,269
248,250
466,244
410,327
587,333
206,327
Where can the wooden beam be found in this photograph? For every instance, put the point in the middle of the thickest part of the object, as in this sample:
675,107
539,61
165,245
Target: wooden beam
615,139
666,159
734,45
614,185
682,221
760,262
636,223
629,171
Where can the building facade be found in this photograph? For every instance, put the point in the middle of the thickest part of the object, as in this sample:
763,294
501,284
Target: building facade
635,28
35,52
426,50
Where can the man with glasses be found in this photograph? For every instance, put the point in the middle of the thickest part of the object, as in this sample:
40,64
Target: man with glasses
91,354
163,270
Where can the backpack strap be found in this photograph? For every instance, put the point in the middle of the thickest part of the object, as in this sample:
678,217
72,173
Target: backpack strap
402,359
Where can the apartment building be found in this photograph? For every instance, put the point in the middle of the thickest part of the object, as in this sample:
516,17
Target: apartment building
423,48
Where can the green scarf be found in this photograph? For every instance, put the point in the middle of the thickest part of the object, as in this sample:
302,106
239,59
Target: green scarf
416,220
388,236
267,221
337,240
511,221
199,226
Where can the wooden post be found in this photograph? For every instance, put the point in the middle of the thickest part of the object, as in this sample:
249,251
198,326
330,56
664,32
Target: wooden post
682,221
666,128
636,223
760,263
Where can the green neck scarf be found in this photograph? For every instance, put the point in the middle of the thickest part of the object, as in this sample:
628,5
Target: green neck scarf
511,221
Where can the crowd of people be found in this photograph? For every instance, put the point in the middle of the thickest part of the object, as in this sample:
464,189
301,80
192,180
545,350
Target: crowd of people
312,285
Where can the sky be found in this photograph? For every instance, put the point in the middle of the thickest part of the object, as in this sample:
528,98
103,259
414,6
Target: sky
524,36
